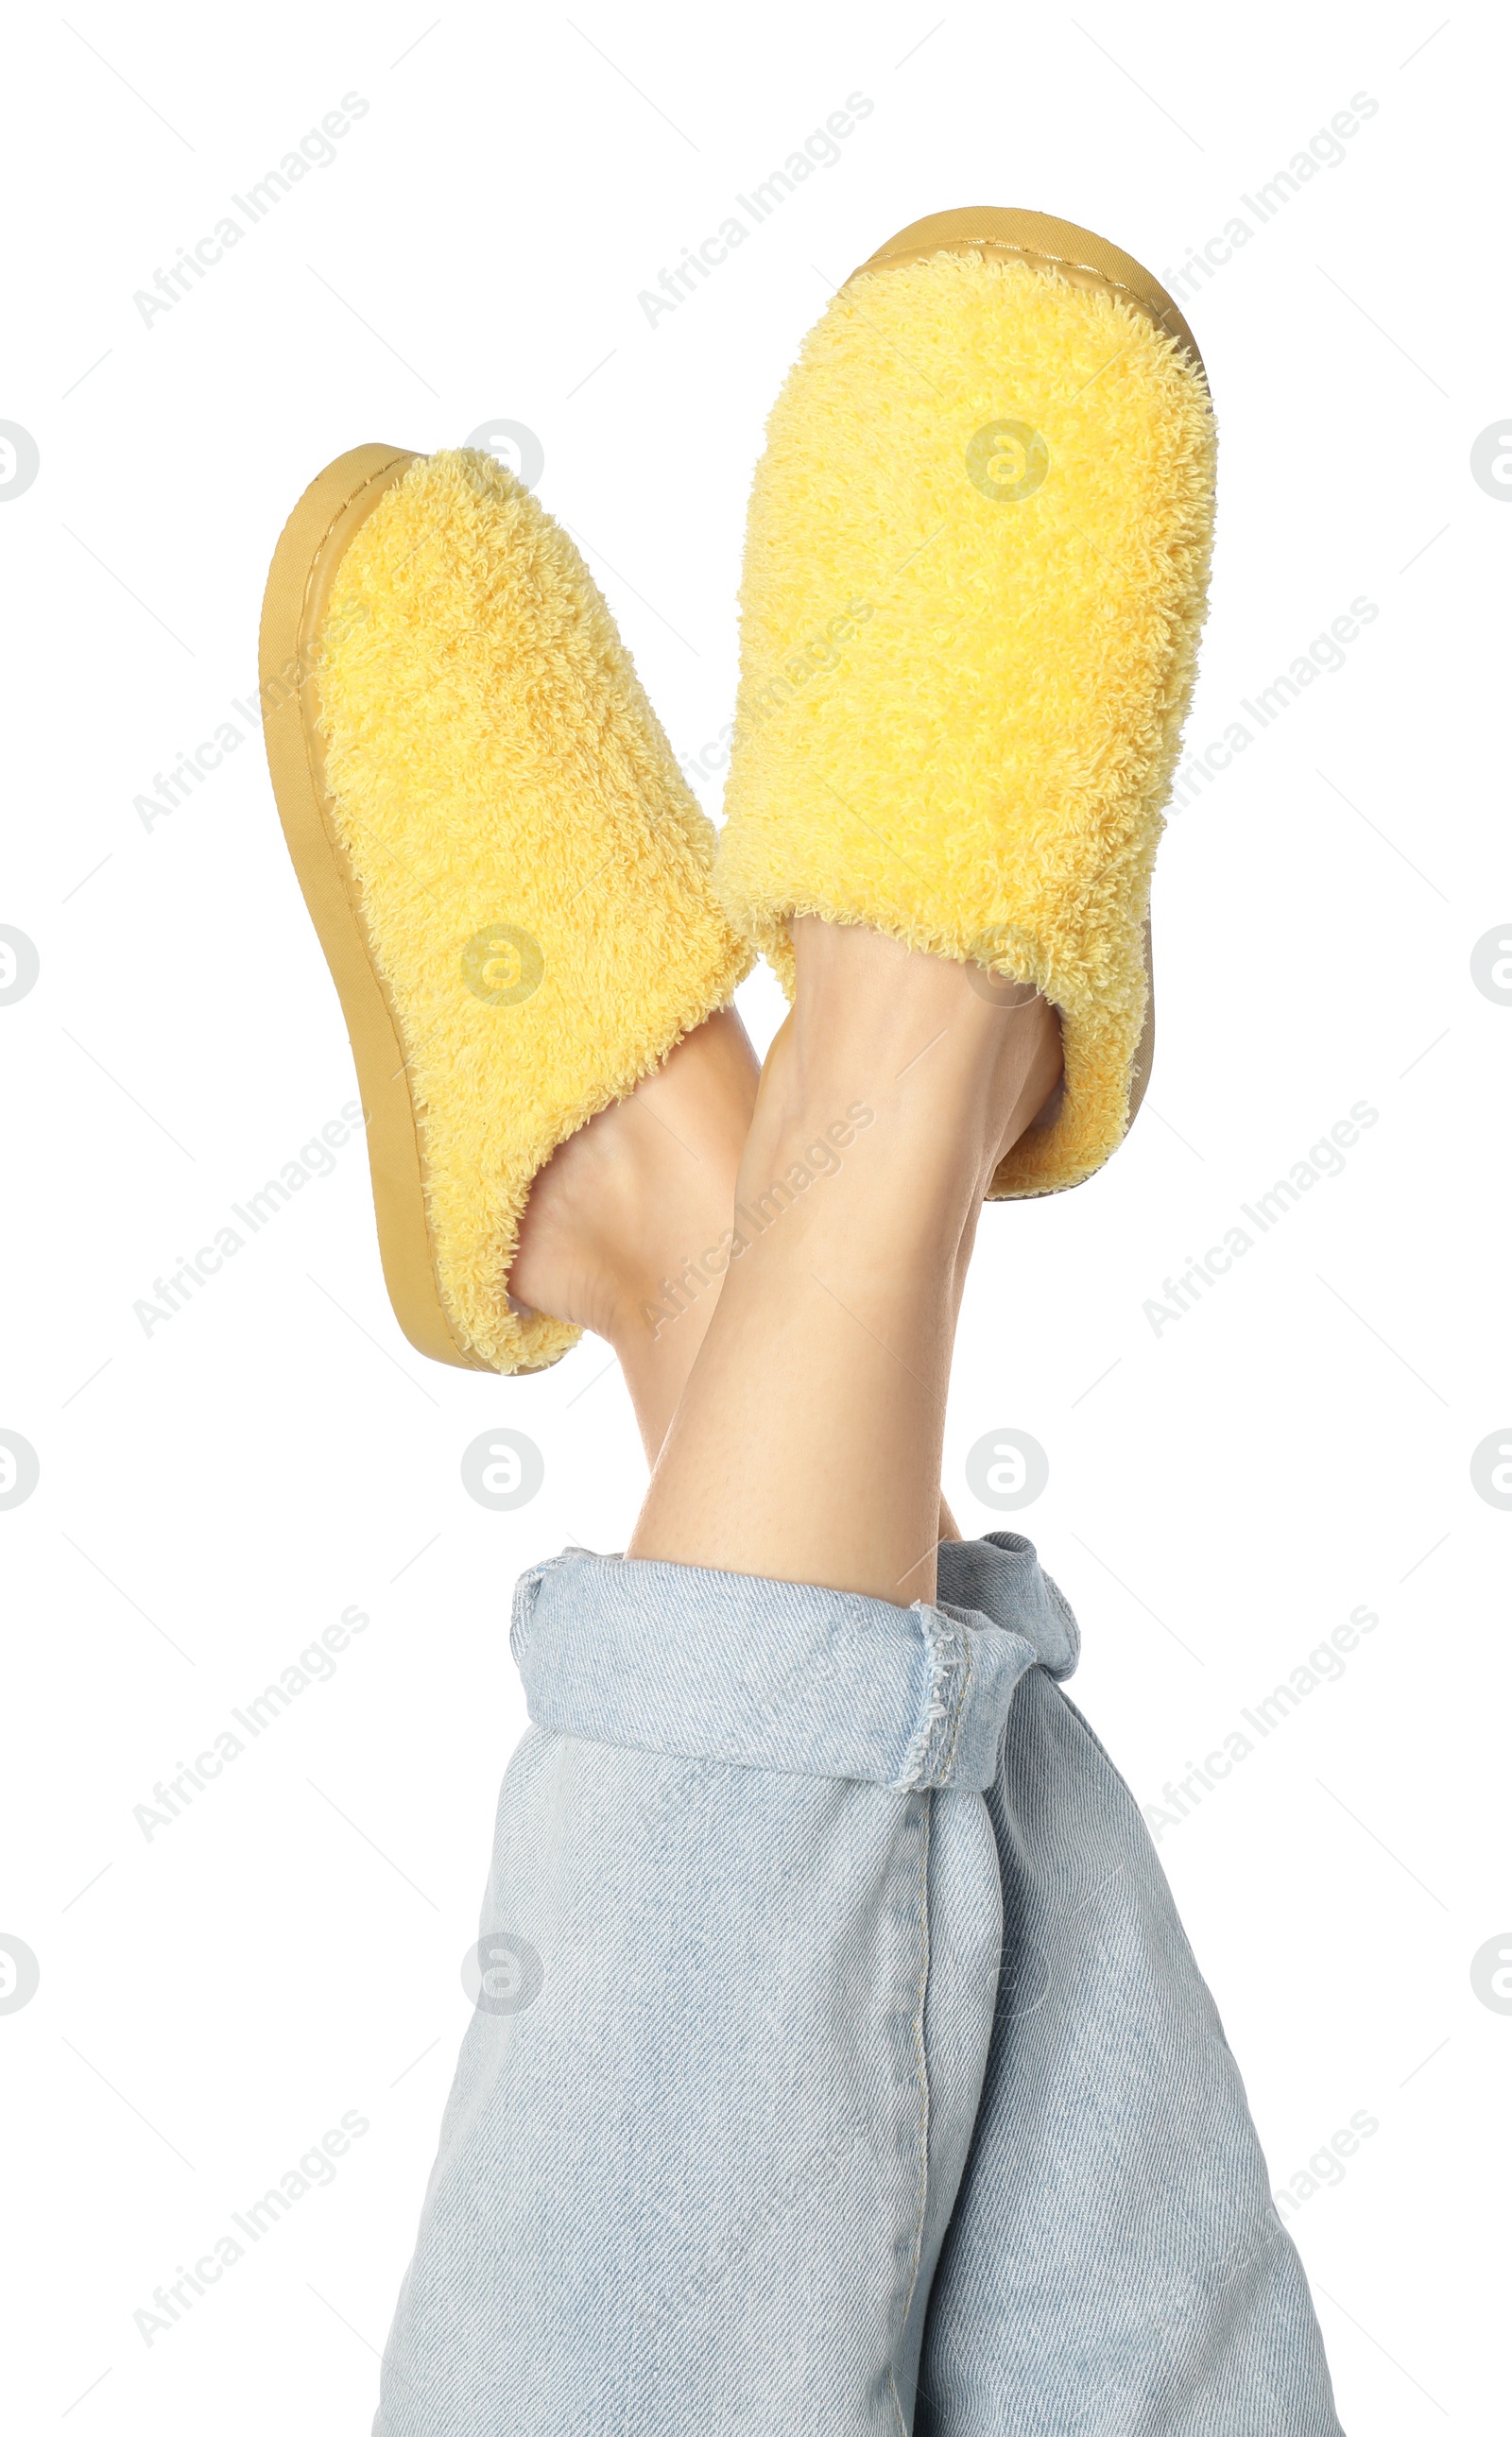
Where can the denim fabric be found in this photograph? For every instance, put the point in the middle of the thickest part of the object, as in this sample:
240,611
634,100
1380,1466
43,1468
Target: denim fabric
854,2075
1114,2266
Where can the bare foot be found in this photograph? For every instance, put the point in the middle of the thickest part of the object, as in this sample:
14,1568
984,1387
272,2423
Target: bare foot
628,1225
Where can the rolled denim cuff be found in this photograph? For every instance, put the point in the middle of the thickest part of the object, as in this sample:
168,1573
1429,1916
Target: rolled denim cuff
1001,1578
757,1674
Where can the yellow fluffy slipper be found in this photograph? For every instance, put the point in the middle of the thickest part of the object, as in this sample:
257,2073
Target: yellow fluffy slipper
976,569
509,878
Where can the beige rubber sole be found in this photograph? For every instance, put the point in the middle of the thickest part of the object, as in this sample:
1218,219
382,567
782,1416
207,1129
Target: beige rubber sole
309,551
1086,261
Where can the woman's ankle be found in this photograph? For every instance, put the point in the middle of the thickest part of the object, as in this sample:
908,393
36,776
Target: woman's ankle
947,1064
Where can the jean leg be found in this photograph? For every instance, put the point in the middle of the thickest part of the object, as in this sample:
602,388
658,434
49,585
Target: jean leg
1115,2265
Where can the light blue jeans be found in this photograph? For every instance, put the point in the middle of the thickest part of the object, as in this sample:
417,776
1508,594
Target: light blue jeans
839,2065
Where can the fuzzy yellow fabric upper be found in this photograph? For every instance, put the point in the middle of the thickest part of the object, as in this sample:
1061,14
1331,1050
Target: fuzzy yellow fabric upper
511,807
976,571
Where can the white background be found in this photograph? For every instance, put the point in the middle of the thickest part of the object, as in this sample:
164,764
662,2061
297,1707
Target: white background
1221,1495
